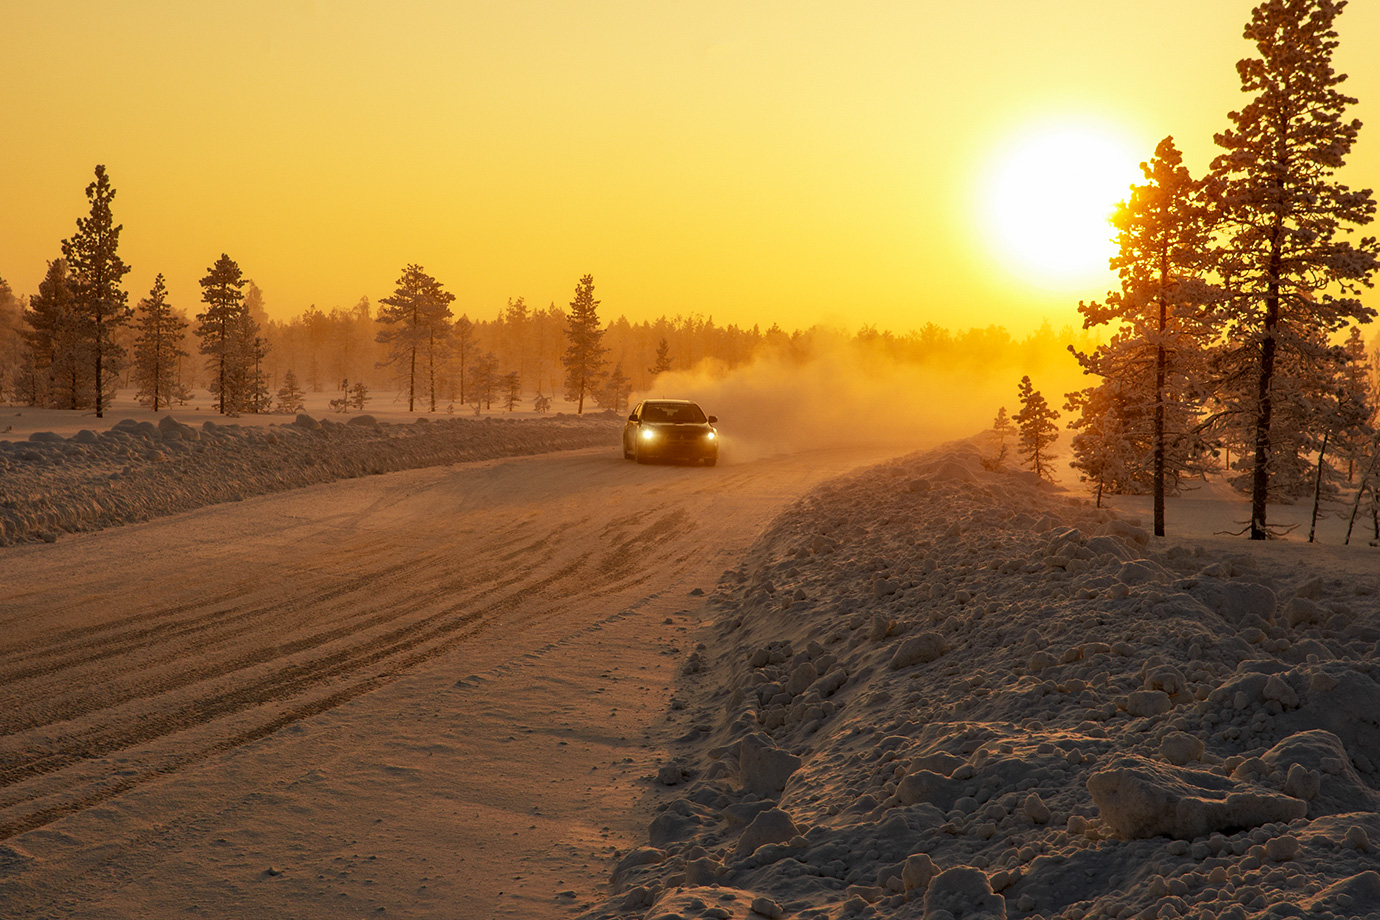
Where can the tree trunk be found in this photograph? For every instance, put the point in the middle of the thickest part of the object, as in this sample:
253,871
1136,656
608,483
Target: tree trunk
1160,364
412,378
1260,478
431,366
1161,369
1317,488
100,354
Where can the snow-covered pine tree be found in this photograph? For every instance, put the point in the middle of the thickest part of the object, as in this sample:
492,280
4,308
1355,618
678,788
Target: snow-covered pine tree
1035,422
662,364
222,292
96,270
157,347
1154,362
1340,410
1359,376
1291,275
417,321
584,355
359,395
290,394
1106,453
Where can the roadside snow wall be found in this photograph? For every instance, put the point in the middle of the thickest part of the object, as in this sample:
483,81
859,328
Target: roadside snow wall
137,471
933,691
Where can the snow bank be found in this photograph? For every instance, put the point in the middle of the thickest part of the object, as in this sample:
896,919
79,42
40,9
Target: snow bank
934,691
136,471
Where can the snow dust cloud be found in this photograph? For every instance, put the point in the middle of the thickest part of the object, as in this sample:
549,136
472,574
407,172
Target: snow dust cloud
850,394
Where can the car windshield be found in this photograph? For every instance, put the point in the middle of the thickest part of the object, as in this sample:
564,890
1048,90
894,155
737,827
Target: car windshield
684,413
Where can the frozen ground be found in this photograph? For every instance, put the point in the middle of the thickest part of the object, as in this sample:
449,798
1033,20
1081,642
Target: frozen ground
926,691
933,691
431,693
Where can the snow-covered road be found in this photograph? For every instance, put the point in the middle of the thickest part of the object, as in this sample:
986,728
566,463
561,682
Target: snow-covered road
230,707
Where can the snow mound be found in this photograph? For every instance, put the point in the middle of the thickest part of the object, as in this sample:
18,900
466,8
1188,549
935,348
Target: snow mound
137,470
937,691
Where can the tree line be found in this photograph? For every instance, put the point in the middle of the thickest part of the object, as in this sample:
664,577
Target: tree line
80,327
1235,338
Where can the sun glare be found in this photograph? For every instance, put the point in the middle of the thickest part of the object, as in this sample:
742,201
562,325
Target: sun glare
1049,193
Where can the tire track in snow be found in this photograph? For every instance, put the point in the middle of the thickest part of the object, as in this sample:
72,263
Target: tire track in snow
450,557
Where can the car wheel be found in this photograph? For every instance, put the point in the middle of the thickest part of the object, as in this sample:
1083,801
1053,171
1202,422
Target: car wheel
710,461
627,454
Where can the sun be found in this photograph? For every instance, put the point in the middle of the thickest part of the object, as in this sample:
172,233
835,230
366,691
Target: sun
1049,192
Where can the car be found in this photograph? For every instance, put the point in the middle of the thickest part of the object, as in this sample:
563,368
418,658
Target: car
670,429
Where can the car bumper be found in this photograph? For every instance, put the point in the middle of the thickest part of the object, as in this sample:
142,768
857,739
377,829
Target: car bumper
679,450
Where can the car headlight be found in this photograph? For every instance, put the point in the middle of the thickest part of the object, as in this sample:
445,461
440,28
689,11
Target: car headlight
648,434
710,436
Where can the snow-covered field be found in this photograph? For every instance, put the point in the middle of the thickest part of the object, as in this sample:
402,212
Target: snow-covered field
927,690
933,691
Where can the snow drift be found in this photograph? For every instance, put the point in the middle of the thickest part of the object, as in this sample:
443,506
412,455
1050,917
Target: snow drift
938,692
136,471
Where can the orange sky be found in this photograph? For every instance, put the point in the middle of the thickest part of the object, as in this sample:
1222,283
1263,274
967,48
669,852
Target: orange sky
760,162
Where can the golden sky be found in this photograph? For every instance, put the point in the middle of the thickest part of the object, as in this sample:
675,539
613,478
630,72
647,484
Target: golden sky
760,162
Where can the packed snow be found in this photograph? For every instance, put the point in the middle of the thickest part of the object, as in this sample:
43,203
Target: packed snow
935,691
137,470
929,689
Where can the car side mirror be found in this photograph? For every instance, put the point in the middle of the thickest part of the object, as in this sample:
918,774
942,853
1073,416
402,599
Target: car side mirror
632,418
713,419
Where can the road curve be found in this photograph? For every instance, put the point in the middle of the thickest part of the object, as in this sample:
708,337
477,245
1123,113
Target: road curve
131,654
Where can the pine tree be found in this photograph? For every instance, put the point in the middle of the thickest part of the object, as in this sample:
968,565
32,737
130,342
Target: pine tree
1002,426
463,336
512,390
1155,360
359,395
58,375
1035,422
1340,410
220,329
157,347
1292,278
250,384
613,393
1358,376
484,380
584,355
290,394
663,358
96,271
1105,453
418,316
515,321
11,341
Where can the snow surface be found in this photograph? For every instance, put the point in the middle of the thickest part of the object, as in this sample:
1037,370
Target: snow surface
939,692
137,470
929,690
